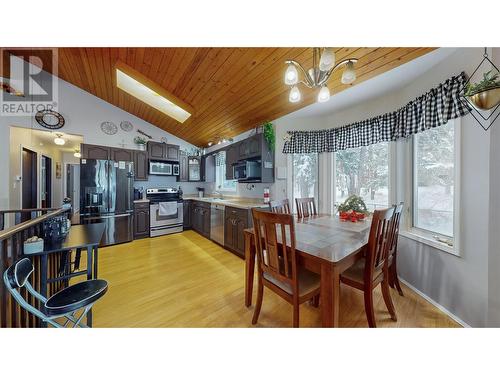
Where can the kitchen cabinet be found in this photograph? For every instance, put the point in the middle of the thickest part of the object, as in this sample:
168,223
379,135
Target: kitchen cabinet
208,168
121,154
141,220
172,152
163,151
95,152
194,168
236,220
187,214
140,166
183,167
250,147
200,218
231,158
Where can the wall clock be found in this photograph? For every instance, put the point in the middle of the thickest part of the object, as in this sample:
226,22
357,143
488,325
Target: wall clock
50,119
126,126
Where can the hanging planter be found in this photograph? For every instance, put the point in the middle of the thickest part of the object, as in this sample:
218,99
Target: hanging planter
484,95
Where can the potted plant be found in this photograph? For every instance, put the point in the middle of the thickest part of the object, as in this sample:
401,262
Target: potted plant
140,142
269,134
485,94
353,209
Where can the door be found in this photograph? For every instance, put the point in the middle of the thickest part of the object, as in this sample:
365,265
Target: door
46,182
172,152
29,193
140,166
94,198
157,150
121,187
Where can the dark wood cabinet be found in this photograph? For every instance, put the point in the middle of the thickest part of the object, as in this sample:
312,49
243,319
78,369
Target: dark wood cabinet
200,218
95,152
121,154
195,168
140,165
163,151
250,147
183,167
208,168
157,150
231,158
172,152
187,214
236,220
141,220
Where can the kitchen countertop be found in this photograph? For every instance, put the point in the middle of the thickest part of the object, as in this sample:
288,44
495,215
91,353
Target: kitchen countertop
141,201
230,201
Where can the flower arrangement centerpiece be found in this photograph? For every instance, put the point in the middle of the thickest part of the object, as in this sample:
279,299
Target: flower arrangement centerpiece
140,142
353,209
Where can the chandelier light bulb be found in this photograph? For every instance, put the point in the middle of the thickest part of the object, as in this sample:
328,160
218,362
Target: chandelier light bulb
77,154
58,140
327,59
349,74
323,95
294,96
291,75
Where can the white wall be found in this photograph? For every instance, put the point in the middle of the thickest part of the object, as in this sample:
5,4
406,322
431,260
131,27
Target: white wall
83,113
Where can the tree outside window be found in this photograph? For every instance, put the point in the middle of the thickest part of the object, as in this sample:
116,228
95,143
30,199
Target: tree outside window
305,176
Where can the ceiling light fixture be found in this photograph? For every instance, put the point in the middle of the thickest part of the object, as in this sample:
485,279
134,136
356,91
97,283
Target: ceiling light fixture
77,153
58,140
317,77
149,92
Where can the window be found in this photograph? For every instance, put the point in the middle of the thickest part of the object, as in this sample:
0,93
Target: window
221,184
363,171
434,174
305,176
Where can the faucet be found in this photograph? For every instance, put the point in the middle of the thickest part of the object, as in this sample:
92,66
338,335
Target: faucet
220,194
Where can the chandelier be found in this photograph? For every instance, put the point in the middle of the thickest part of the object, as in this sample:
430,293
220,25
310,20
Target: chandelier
317,77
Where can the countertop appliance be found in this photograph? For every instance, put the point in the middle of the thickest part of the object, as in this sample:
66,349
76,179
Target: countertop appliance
162,168
106,196
166,211
248,171
217,223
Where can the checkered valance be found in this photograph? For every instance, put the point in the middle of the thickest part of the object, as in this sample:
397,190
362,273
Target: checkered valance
430,110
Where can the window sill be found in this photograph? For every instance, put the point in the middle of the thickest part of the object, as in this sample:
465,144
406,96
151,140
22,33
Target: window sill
429,241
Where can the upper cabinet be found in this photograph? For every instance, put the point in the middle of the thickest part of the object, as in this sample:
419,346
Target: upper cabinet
250,147
122,154
141,165
95,152
163,151
183,167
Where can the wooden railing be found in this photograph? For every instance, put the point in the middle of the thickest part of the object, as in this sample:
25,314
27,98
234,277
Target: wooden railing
11,249
22,215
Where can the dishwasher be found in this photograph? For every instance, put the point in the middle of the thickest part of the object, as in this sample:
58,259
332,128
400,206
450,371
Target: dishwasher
217,223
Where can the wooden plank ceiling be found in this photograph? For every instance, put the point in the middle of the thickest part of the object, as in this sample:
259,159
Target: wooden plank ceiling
231,89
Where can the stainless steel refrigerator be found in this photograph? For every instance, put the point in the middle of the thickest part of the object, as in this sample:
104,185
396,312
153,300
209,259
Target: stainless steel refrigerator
106,195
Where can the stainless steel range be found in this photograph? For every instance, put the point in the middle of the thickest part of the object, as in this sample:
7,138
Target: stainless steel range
166,211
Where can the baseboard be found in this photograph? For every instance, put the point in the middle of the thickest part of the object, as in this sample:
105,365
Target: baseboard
431,301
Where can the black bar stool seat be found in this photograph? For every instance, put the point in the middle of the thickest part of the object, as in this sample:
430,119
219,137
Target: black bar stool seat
75,297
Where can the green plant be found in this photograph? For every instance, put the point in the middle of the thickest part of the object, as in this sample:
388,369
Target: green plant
140,140
490,81
269,134
354,203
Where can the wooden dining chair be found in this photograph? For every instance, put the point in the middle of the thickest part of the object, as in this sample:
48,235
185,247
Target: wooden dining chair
280,207
393,251
373,268
277,263
305,207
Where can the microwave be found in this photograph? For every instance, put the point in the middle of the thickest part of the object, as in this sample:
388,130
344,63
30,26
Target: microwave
249,170
163,168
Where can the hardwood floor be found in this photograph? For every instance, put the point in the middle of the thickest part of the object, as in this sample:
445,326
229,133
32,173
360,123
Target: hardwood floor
185,280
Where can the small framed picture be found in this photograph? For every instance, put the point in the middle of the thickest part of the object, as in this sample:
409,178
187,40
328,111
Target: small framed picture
58,169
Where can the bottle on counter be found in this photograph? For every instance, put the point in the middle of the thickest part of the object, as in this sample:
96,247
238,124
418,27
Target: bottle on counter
266,195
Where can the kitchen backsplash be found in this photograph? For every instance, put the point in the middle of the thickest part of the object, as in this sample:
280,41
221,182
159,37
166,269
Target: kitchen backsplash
169,181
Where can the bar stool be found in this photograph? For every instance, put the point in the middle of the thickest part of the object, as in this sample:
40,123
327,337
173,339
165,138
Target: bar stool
63,304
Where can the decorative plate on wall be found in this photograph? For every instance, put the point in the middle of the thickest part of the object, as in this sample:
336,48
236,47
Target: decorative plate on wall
109,128
50,119
126,126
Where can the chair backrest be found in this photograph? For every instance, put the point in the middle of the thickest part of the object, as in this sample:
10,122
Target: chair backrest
379,241
18,273
280,207
396,219
276,252
305,207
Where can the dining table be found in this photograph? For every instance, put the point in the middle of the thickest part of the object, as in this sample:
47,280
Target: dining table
324,244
